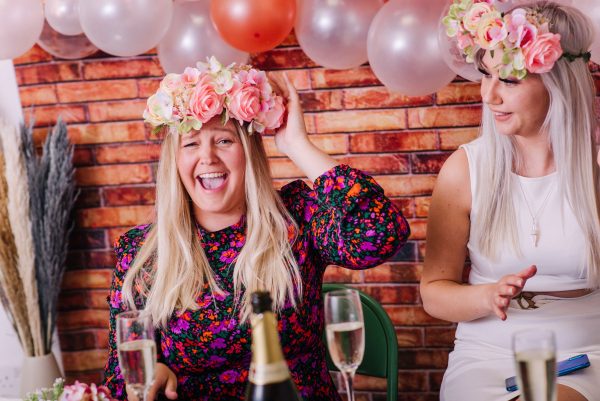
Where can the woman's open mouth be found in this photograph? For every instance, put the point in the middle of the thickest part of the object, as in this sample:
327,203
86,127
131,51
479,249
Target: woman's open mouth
212,181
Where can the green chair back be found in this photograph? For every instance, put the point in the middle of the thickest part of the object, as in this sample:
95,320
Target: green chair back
381,344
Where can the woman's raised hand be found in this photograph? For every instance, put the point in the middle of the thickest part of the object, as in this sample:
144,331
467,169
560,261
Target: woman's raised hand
164,380
507,288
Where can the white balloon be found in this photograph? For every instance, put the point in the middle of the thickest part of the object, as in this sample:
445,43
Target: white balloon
63,16
454,58
192,37
71,47
591,8
22,23
333,33
403,47
125,27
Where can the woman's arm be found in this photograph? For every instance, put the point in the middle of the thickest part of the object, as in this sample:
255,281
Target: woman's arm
442,291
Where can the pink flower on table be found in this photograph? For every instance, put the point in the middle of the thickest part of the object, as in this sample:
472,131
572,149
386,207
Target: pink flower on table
541,54
83,392
245,103
205,102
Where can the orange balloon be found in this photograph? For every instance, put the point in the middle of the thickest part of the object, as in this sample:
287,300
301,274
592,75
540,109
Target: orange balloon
253,25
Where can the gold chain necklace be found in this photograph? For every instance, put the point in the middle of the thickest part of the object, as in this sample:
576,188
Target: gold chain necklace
535,229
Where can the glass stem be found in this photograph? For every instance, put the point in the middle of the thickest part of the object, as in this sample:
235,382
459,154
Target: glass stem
349,379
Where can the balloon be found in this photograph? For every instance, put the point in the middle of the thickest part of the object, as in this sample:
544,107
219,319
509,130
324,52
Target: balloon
22,23
403,47
591,8
253,25
125,27
334,33
192,38
63,16
65,46
452,56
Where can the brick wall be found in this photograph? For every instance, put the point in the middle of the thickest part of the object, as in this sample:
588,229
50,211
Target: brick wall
401,140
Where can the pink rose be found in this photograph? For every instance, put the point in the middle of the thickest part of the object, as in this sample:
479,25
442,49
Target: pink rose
464,41
171,83
272,118
205,102
190,76
245,103
474,15
542,53
491,31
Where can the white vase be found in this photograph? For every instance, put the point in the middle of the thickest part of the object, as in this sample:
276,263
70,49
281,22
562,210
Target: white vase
38,372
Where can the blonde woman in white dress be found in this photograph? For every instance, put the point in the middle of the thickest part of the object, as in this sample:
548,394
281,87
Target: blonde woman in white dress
522,201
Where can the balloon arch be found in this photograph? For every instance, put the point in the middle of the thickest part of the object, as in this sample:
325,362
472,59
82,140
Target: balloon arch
403,41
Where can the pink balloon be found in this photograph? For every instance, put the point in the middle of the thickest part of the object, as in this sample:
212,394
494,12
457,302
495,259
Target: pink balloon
65,46
192,37
403,47
334,33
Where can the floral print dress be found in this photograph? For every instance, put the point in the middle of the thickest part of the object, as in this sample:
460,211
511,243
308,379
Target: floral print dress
346,220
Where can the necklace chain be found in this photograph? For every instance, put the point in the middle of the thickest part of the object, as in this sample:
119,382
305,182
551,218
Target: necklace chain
535,230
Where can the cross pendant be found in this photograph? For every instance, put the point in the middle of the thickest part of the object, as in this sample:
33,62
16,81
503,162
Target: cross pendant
534,233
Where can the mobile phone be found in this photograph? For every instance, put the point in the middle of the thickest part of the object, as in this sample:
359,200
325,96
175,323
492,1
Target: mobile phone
562,368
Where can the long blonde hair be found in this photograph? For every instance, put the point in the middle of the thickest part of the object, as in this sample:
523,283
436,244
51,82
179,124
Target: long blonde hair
171,269
570,123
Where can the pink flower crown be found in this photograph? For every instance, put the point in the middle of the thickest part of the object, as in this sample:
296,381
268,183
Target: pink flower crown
186,101
523,36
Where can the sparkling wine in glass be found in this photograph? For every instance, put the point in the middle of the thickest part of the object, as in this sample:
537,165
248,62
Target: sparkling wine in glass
345,330
535,358
137,351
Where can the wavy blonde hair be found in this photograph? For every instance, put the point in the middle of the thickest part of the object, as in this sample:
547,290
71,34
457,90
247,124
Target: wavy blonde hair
571,124
171,270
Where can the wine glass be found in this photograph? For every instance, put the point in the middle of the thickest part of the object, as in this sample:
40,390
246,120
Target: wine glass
535,358
345,330
137,350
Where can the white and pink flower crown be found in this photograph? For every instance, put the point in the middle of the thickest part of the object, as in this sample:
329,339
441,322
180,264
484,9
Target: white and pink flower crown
523,36
186,101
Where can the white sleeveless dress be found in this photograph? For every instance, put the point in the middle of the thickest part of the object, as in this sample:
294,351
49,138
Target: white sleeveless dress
482,358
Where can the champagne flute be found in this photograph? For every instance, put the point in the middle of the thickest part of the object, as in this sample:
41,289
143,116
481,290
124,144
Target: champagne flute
535,357
345,330
137,351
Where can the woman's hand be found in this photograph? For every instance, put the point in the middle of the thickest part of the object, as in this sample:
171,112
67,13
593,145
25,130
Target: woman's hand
507,288
164,380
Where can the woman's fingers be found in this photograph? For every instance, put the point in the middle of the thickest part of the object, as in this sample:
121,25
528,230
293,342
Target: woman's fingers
171,387
527,273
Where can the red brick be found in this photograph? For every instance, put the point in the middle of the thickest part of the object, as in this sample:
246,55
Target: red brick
428,163
451,139
336,274
36,95
123,68
410,315
299,78
85,360
421,248
422,206
91,376
321,100
464,92
359,120
123,196
48,115
409,337
92,91
458,116
284,168
147,87
392,294
114,233
371,142
290,40
114,216
34,55
406,185
423,359
128,153
83,157
83,319
380,97
113,174
435,380
361,76
378,164
418,228
405,205
439,336
87,279
330,143
87,239
117,111
412,381
394,273
369,383
280,59
88,197
107,133
77,341
45,73
101,338
73,300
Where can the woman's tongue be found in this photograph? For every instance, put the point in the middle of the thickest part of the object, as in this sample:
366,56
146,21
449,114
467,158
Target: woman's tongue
213,182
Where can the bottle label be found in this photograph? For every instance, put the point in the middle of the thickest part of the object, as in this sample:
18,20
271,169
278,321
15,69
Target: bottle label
269,374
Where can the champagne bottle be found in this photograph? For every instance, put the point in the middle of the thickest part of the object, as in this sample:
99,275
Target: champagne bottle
269,377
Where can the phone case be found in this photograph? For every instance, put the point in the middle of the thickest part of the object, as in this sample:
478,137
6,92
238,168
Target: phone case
562,368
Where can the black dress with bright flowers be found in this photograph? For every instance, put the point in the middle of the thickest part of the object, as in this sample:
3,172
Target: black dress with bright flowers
346,220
